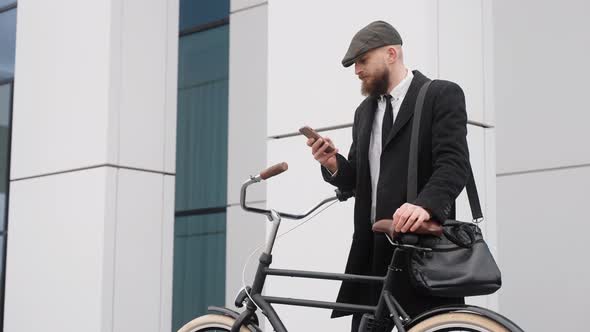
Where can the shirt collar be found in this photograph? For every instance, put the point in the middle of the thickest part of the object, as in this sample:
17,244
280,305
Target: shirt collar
400,90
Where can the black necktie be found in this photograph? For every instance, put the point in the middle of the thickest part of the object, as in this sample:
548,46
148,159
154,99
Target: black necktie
387,121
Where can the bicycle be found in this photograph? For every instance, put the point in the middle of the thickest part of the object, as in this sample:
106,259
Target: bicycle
382,317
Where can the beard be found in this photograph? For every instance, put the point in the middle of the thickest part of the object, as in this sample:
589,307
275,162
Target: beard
376,86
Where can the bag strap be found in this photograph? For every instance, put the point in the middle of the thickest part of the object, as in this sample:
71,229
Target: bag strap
472,194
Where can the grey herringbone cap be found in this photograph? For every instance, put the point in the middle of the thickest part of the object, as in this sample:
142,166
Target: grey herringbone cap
374,35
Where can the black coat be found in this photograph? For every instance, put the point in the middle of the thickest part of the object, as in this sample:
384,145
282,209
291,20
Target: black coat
443,169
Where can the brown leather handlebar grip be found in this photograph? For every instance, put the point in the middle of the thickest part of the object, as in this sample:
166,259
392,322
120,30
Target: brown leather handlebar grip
274,170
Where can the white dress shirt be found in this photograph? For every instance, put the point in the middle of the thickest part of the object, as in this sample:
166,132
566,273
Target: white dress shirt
398,94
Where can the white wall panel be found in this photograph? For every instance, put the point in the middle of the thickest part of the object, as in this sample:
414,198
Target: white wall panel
170,107
543,237
61,95
101,238
167,259
247,101
138,254
247,140
541,68
144,35
90,248
540,72
460,51
108,256
244,4
56,265
320,245
107,98
306,81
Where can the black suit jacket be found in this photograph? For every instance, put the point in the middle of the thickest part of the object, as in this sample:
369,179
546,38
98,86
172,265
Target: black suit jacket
443,170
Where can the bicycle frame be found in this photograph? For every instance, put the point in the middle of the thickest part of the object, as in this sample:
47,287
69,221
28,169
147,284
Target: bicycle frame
387,305
387,309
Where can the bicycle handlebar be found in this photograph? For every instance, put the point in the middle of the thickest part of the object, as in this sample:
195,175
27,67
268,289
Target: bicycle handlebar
276,170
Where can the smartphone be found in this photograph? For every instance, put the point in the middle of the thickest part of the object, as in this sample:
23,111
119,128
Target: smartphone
310,133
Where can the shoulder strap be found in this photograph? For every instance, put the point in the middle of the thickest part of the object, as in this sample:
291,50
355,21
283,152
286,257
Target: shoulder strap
413,162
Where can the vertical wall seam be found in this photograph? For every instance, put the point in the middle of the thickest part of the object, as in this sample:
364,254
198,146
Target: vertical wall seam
489,135
121,34
164,149
485,143
166,92
484,107
120,78
162,235
438,38
115,226
484,58
115,81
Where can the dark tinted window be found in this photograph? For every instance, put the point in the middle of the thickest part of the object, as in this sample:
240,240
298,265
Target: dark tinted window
6,3
7,43
201,159
198,12
7,53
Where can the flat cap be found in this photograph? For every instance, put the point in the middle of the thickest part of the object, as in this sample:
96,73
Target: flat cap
374,35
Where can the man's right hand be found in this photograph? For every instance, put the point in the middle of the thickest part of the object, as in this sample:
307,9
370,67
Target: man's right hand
318,148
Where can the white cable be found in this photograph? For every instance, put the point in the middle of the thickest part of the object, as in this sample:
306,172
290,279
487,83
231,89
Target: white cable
262,245
244,273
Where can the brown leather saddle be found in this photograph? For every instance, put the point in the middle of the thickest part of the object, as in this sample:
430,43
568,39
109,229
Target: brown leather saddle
429,227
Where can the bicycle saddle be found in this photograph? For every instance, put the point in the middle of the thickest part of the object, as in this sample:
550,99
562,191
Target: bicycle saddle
429,227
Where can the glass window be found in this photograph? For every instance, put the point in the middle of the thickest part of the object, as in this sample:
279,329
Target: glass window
201,165
7,44
2,239
203,57
7,52
6,3
201,145
201,161
199,266
198,12
5,107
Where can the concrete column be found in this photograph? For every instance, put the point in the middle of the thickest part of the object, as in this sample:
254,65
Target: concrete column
247,137
93,163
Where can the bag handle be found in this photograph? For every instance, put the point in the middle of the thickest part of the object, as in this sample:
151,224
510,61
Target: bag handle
472,194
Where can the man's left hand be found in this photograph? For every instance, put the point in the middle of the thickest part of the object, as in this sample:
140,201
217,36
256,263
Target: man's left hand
409,217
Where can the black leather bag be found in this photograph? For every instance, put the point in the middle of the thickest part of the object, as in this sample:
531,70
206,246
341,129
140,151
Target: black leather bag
460,263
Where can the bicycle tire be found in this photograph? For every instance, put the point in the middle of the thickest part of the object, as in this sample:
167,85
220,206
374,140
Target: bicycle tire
458,321
211,323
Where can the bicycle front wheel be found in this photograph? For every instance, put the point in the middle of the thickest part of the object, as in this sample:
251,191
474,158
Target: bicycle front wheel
458,321
211,323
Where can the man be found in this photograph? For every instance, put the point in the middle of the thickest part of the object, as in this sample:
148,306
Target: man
377,164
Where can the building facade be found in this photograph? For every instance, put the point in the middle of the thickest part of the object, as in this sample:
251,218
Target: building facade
128,128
